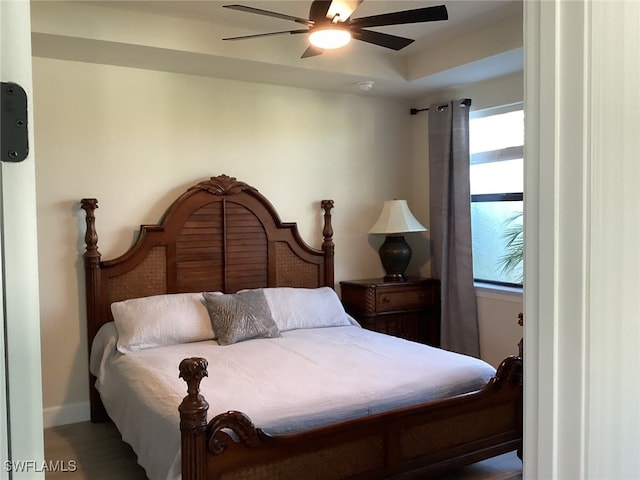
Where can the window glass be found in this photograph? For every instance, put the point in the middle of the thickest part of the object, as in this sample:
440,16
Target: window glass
497,177
495,132
491,223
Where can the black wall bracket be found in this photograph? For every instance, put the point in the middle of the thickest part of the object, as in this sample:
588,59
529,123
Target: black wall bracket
14,138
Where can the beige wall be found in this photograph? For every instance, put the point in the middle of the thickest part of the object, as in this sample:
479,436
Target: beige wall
498,323
136,138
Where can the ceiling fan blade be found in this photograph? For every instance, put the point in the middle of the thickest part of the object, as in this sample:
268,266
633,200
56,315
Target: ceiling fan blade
318,10
312,51
268,13
428,14
343,8
258,35
382,39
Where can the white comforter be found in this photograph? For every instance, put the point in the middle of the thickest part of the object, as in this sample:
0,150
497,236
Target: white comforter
307,378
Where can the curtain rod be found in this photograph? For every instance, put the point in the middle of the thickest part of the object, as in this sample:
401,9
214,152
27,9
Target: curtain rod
464,103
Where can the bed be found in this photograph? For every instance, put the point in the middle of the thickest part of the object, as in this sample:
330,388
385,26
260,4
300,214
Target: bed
338,418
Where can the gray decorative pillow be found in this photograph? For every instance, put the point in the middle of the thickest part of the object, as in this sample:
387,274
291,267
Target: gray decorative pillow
240,316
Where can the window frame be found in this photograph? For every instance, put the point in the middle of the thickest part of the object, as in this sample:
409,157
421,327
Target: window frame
492,156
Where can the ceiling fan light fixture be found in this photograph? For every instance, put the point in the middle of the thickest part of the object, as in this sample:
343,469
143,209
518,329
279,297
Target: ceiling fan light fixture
329,37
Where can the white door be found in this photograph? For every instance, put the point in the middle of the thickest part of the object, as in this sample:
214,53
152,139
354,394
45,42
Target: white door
21,435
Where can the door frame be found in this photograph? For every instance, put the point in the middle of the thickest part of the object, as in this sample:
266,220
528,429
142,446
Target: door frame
21,426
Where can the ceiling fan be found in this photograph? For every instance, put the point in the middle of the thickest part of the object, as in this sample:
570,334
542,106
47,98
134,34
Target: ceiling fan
330,24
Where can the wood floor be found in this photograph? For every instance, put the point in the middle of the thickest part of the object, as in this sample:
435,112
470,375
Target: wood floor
96,452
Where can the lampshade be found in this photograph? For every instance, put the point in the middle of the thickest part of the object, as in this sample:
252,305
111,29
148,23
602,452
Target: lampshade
329,37
396,218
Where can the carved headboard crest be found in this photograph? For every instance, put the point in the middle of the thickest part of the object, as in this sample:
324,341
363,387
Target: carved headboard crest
222,185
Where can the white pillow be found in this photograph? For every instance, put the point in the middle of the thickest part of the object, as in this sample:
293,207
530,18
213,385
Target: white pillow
161,320
293,308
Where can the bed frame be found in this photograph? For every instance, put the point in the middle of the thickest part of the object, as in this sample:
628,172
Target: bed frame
223,235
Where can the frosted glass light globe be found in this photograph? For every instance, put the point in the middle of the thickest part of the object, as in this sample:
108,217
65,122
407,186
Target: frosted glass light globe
329,38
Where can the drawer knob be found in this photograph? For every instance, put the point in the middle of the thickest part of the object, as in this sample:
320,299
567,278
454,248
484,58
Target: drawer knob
386,299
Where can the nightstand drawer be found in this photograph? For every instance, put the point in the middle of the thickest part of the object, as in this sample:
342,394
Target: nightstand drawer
388,300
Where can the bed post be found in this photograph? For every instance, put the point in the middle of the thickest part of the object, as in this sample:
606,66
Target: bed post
327,245
92,285
193,420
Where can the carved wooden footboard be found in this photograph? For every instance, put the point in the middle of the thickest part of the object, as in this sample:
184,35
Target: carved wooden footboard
414,441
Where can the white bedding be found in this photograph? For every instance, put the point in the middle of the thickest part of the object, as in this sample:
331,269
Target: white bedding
306,378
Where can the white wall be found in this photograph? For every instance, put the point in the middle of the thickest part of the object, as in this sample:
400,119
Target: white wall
135,139
498,323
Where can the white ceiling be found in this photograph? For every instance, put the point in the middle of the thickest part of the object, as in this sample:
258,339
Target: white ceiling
479,33
464,15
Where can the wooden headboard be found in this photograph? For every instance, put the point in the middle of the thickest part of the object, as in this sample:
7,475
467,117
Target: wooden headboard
220,235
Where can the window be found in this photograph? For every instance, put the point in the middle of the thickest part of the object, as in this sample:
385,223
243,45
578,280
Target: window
496,139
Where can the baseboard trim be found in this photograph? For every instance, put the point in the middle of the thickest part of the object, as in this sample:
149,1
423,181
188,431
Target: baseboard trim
64,414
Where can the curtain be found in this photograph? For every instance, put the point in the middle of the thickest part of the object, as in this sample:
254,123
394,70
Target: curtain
450,224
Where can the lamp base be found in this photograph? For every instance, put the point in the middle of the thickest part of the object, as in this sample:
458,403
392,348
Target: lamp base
395,254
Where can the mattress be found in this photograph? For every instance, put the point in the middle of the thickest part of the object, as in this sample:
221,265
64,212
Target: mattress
307,378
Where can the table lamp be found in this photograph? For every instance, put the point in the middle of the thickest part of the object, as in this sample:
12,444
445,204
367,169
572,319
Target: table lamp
395,253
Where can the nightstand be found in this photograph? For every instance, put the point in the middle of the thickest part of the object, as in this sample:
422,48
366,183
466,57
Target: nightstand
409,309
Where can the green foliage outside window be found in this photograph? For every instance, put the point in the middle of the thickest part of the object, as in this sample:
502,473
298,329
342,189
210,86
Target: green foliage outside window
514,245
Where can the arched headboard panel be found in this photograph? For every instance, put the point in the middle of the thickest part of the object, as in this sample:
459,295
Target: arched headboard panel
220,235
